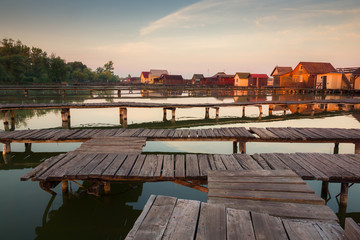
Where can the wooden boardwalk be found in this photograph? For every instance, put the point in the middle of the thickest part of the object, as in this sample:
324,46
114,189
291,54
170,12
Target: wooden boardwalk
241,134
280,193
169,167
171,218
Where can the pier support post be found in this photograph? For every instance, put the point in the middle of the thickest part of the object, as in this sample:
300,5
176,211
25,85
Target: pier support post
336,148
312,107
243,111
235,147
27,147
6,148
324,190
271,108
91,93
242,147
65,186
121,115
217,113
26,93
63,92
357,148
6,119
65,117
173,115
207,113
297,108
343,202
340,107
326,107
107,188
119,93
164,114
124,123
260,110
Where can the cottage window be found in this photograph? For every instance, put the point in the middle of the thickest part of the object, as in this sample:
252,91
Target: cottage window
301,68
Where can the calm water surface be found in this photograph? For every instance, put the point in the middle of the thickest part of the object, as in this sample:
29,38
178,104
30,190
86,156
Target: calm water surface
27,212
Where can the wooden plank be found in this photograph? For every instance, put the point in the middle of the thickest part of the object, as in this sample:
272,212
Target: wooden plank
192,165
149,167
135,171
93,164
284,180
301,229
73,170
321,165
204,165
273,161
273,196
247,162
317,174
352,229
99,169
140,219
183,221
212,222
168,166
268,227
193,133
243,132
261,186
330,231
239,224
212,162
293,165
253,173
159,165
218,162
185,133
154,224
280,209
179,166
260,160
230,162
333,165
112,168
126,167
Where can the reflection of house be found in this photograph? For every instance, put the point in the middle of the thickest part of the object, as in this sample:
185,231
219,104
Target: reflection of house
282,76
144,77
166,79
156,74
258,80
196,78
304,75
241,79
219,78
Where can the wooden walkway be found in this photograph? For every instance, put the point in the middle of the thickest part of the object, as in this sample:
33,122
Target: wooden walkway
280,193
240,134
171,218
169,167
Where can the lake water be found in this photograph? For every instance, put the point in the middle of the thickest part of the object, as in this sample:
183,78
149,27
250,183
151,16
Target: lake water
27,212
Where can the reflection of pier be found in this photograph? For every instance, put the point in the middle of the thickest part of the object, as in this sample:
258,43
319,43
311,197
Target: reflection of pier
304,107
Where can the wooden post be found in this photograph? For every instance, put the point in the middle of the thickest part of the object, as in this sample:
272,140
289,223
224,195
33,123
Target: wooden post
343,202
107,188
242,147
324,190
91,93
119,93
260,110
173,114
207,113
243,111
341,107
27,147
121,115
26,93
326,107
164,114
336,148
65,186
6,148
312,110
234,147
297,108
63,92
217,114
271,108
5,117
357,148
124,117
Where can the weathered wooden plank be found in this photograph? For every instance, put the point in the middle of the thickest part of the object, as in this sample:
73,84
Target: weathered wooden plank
179,166
284,180
280,209
192,165
193,133
239,224
141,218
126,167
247,162
253,173
273,161
260,160
110,170
73,170
212,162
156,220
301,229
93,164
321,165
317,174
168,166
243,132
261,186
212,222
230,162
268,227
287,159
330,231
204,165
218,162
135,171
100,168
185,133
352,229
183,221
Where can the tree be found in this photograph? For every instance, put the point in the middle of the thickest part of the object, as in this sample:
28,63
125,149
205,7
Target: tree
109,67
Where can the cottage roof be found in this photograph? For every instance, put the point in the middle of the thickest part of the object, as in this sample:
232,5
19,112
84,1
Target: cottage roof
158,72
171,77
281,71
357,72
317,67
198,76
222,74
145,74
243,75
259,75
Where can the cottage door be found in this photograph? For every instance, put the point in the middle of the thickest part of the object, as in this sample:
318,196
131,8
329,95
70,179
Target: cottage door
324,82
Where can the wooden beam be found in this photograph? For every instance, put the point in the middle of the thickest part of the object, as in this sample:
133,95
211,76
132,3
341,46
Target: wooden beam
107,188
65,186
191,185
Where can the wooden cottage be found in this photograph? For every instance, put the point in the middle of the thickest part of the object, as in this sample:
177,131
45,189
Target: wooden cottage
241,79
282,77
156,73
134,80
196,78
305,73
166,79
333,80
258,80
144,77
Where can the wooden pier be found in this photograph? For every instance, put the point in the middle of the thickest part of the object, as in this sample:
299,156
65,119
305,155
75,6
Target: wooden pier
8,110
171,218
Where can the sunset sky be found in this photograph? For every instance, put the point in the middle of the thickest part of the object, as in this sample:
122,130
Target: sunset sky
188,36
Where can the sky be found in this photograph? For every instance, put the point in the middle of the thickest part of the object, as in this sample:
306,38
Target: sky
188,36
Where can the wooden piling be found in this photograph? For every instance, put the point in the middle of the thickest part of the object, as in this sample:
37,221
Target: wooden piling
119,93
243,111
65,186
6,148
340,107
297,108
336,148
28,147
234,147
107,188
121,115
92,93
242,147
124,123
5,117
324,190
271,108
207,112
164,114
217,113
173,114
260,110
343,202
357,148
